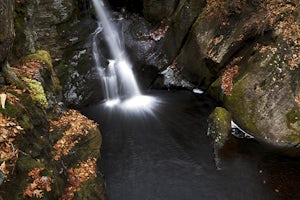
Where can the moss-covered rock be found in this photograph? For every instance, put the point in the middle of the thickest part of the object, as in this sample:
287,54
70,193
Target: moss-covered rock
263,100
37,91
91,190
36,22
214,38
219,126
40,55
26,103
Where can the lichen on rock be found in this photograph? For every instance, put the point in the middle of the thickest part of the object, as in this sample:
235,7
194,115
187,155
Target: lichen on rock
37,91
219,126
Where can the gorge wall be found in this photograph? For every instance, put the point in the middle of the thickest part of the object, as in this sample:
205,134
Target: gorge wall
243,53
47,151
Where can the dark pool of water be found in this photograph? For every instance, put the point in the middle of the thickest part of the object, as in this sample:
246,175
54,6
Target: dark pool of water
165,154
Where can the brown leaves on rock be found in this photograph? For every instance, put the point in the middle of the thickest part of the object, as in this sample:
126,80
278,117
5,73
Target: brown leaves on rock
8,132
227,79
29,69
76,126
10,91
77,176
283,17
39,184
155,35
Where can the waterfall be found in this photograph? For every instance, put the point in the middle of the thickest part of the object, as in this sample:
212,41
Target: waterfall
118,78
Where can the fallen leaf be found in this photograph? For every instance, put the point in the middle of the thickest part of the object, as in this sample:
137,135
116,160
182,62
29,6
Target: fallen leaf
3,100
38,194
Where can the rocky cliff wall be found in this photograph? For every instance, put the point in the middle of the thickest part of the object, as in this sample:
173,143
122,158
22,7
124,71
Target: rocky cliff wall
46,150
246,52
7,31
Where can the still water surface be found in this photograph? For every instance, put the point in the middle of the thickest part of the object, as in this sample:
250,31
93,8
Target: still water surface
165,154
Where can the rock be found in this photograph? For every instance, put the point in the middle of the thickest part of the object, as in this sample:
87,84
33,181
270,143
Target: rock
181,22
212,42
155,10
264,97
179,16
219,126
37,90
219,129
2,175
173,79
224,36
36,24
7,32
48,139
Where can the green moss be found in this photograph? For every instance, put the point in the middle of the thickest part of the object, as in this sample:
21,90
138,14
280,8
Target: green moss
41,55
92,189
241,108
219,125
37,90
11,110
223,116
26,123
48,75
292,117
215,90
26,163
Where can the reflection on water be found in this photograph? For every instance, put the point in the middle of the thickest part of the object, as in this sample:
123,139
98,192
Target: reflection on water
166,155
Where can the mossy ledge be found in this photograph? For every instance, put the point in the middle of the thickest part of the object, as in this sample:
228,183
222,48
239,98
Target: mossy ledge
32,147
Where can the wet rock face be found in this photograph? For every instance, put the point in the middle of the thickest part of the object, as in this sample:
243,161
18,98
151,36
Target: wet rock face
179,15
265,95
212,42
36,25
219,122
7,32
260,89
155,10
78,72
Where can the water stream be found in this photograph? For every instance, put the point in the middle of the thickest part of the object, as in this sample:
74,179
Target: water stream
155,146
166,155
118,78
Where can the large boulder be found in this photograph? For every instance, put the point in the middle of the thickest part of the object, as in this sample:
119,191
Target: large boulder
260,85
264,99
215,37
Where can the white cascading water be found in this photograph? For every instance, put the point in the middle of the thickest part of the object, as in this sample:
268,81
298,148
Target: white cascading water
118,79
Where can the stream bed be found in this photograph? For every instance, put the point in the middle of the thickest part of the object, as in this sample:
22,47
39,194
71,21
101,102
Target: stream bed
164,153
